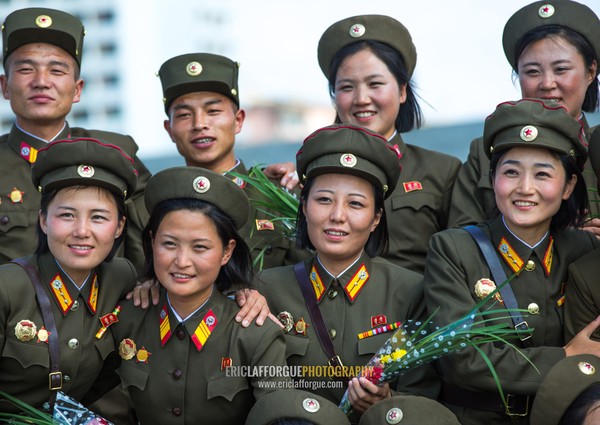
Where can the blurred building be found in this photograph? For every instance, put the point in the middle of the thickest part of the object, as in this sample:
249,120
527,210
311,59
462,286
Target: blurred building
124,46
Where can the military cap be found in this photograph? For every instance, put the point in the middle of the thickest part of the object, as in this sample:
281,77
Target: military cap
84,161
568,378
202,184
349,150
594,153
566,13
295,404
534,122
42,25
408,410
195,72
380,28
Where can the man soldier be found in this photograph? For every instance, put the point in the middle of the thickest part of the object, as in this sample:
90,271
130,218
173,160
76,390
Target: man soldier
201,97
42,51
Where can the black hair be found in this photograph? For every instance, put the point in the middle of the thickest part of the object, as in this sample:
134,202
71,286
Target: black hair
410,114
572,211
581,406
236,274
583,46
376,245
47,197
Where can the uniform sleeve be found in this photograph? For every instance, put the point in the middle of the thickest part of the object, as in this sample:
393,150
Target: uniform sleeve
582,295
450,181
468,201
447,291
137,216
269,350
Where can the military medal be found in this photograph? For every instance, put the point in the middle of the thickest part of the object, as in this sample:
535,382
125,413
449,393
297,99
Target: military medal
25,330
107,320
412,186
226,362
300,326
485,287
264,225
127,349
16,196
142,355
379,330
286,320
43,335
204,329
378,320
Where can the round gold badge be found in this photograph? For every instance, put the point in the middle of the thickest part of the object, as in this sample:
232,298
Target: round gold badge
484,287
193,68
43,21
127,349
25,330
142,355
529,133
43,335
201,184
357,30
348,160
286,320
546,11
86,171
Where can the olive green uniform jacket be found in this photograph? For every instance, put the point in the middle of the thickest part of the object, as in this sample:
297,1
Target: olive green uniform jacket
455,264
180,384
473,199
18,220
278,250
583,295
420,203
390,294
25,365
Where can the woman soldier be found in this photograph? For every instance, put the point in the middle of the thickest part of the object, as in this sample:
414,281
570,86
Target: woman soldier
369,61
536,152
347,173
53,344
553,47
178,353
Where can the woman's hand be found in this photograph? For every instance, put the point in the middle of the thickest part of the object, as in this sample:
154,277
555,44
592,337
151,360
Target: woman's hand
363,393
593,226
253,306
582,343
286,171
144,292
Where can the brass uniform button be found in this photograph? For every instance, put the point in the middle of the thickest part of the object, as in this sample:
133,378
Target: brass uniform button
332,333
533,308
332,293
75,305
66,378
176,411
530,266
73,344
180,334
177,374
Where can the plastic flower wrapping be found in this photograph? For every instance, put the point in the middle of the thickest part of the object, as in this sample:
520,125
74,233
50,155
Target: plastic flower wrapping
416,343
66,411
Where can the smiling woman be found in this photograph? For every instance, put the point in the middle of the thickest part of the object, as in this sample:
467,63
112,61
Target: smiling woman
536,151
84,184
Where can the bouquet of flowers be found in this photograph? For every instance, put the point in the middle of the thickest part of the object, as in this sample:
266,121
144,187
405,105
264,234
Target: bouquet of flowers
417,343
67,411
276,202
